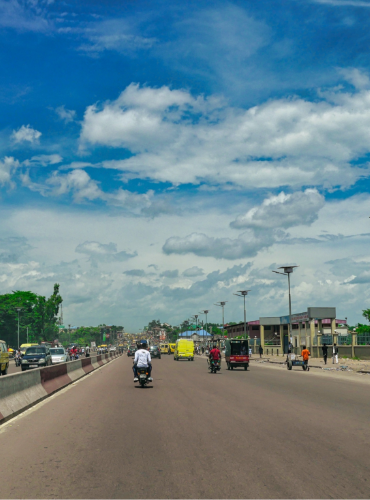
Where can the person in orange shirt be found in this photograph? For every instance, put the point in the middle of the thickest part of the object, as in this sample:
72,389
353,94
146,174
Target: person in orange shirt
305,355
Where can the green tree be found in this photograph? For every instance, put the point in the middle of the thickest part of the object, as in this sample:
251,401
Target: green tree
37,314
366,314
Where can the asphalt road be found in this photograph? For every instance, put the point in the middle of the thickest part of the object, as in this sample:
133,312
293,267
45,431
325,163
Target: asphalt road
265,433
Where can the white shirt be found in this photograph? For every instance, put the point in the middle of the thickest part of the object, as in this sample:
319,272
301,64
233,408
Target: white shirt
142,358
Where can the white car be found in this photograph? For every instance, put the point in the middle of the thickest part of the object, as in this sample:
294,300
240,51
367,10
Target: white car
58,355
113,349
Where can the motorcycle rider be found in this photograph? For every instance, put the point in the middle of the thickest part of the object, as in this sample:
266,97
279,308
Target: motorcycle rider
215,354
142,360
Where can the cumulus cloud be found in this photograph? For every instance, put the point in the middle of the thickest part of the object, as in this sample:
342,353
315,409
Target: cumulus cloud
192,272
100,252
247,245
7,167
67,115
26,134
175,137
283,210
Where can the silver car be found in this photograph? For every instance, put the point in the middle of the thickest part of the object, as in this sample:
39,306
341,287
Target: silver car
58,355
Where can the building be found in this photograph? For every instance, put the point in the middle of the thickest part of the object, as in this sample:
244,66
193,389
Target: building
307,328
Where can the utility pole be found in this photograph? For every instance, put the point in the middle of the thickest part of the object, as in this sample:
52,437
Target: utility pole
243,293
19,309
69,334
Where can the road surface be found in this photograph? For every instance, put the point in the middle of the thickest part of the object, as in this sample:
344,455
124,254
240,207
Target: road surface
265,433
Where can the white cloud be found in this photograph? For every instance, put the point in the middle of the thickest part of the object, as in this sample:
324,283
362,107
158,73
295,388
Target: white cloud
344,3
174,137
7,167
23,16
247,245
114,34
26,134
67,115
100,252
193,272
357,78
43,160
283,211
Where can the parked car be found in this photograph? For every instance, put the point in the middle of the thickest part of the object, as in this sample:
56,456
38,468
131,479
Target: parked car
36,357
155,352
59,355
4,358
113,348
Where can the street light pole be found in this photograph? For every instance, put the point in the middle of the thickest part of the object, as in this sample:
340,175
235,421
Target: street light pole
287,272
69,334
18,310
243,293
222,304
206,311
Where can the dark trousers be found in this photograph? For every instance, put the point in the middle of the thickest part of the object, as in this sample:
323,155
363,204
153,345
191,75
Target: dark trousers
149,370
325,358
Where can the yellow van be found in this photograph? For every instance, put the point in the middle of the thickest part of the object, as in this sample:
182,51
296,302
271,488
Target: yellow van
184,349
171,348
4,358
24,347
163,348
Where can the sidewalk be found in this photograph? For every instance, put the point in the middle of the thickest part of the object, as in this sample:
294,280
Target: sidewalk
362,366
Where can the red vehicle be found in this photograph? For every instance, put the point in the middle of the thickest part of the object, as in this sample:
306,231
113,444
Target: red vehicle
236,353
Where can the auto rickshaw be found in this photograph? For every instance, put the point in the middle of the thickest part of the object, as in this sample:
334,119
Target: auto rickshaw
236,353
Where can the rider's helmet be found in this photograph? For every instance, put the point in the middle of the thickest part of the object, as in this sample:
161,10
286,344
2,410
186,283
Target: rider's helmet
143,344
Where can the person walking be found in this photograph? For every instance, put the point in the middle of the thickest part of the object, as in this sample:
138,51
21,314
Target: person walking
325,352
87,351
335,354
260,350
305,355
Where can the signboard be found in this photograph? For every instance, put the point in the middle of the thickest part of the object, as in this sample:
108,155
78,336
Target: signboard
300,317
107,335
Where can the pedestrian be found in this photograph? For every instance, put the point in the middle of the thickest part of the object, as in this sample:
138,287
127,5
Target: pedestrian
202,349
250,352
260,350
87,351
325,352
305,355
335,354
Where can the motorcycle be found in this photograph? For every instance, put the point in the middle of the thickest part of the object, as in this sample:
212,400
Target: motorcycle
143,376
214,365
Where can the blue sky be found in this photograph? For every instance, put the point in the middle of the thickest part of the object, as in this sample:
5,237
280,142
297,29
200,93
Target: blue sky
155,157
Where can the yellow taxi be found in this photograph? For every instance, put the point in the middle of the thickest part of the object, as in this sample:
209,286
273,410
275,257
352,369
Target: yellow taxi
4,358
163,348
171,348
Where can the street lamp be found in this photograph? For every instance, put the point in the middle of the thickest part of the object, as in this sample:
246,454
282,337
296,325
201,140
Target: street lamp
19,309
222,304
206,311
243,293
287,271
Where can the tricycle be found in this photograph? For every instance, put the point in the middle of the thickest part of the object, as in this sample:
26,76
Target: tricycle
236,353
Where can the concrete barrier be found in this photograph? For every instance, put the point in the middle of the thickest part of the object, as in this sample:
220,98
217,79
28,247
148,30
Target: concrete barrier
20,391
